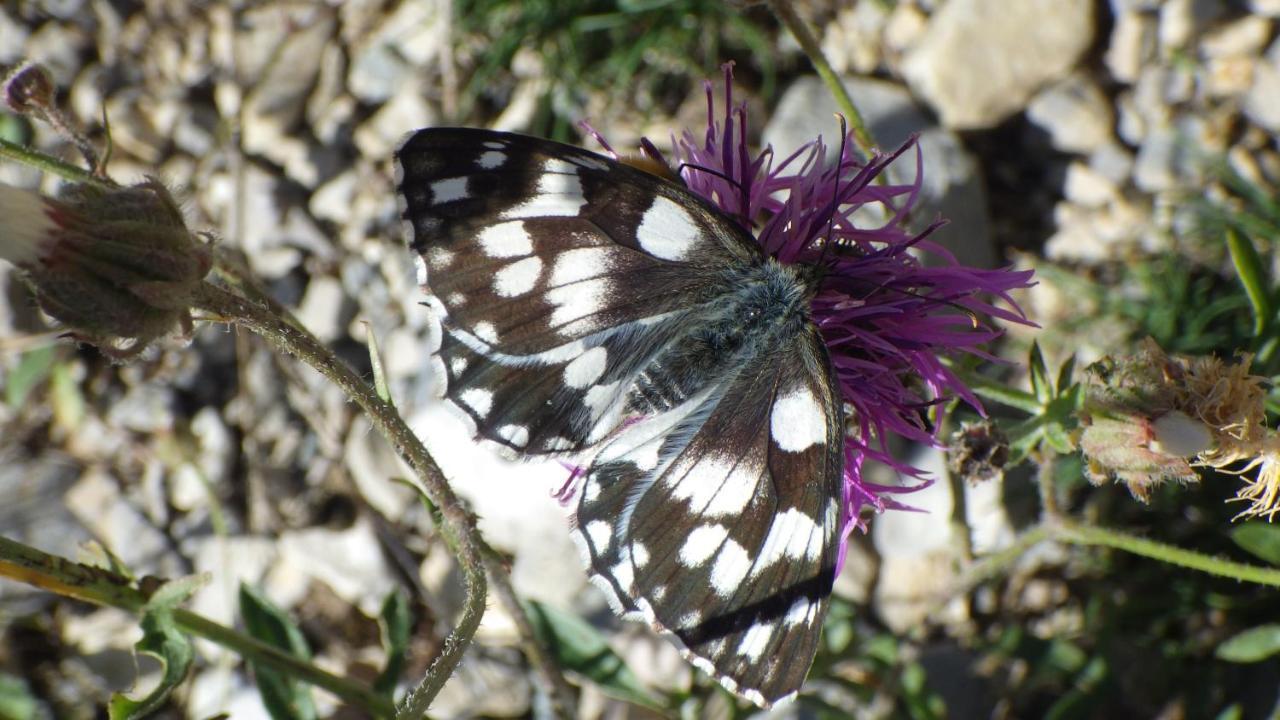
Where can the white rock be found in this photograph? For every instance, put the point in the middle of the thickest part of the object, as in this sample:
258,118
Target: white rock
1262,102
852,41
1086,186
1133,43
325,309
349,561
905,27
13,38
1114,162
1246,36
1270,8
952,186
116,523
514,503
1182,20
1155,168
408,109
981,60
373,466
1230,76
1075,113
1130,125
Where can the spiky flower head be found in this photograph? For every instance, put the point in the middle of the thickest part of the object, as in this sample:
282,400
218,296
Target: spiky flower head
115,265
887,318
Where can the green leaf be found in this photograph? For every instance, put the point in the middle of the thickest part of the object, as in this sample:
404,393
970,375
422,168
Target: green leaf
32,369
68,403
162,640
1253,645
16,700
395,621
1040,386
284,697
1250,270
579,647
1065,374
375,361
1262,539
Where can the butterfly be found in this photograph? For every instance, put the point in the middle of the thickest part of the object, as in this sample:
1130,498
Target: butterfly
591,309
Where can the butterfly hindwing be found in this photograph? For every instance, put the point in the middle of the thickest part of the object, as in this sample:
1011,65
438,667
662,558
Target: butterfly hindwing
718,521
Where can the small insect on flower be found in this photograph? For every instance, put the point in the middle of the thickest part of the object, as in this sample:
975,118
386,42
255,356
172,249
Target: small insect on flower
115,265
718,355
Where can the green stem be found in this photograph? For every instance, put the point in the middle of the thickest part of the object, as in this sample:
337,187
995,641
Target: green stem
40,161
103,587
809,44
1090,535
458,528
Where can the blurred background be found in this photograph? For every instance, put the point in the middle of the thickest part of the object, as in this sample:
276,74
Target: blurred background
1106,144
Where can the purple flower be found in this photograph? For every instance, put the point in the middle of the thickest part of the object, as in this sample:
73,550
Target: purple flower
885,316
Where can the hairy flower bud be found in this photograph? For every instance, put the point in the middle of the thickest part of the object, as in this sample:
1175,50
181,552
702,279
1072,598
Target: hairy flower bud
116,265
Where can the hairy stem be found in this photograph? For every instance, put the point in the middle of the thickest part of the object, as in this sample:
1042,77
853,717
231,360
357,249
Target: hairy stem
809,44
1171,554
458,528
103,587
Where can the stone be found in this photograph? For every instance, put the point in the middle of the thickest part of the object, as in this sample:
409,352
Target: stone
1182,20
1246,36
1114,162
1075,113
980,61
325,309
1133,44
1155,167
1087,187
406,110
1262,102
1269,8
952,187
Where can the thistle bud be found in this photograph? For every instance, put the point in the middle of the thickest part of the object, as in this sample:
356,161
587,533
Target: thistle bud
117,266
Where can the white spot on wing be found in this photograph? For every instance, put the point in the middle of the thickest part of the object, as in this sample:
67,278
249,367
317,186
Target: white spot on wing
701,544
448,190
577,301
666,230
579,264
458,366
486,332
439,258
558,194
517,435
755,641
715,485
586,368
730,569
801,611
639,554
599,533
490,160
797,422
481,401
793,535
508,239
518,278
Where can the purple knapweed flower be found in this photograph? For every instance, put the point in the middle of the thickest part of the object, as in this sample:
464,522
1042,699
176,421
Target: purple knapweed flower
886,317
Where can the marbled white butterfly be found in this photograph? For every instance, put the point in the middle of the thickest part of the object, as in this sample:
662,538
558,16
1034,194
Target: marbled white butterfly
594,309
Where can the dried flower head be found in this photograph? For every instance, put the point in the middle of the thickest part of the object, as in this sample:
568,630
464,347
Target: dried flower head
1153,417
117,266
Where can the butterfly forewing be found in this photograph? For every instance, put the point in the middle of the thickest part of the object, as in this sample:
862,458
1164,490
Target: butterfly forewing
724,530
587,306
536,254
